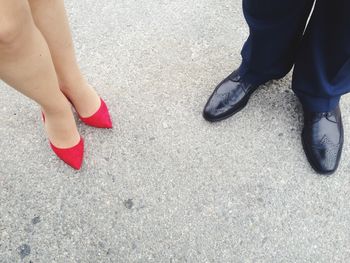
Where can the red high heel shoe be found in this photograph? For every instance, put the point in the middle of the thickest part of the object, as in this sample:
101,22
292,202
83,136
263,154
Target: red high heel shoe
100,119
72,156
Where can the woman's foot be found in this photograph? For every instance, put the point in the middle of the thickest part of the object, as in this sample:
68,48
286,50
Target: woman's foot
83,97
92,110
64,137
100,119
60,127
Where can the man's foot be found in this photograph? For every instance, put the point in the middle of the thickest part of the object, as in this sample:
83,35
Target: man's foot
228,98
84,98
322,139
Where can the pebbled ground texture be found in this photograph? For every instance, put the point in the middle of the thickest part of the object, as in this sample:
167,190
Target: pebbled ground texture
164,185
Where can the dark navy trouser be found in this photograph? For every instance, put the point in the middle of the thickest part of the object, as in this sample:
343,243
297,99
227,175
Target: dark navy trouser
320,55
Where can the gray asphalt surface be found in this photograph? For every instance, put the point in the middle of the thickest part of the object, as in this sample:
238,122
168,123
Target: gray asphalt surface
164,185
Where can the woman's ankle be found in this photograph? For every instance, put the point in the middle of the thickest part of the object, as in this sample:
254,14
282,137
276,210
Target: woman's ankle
83,96
59,108
72,85
61,127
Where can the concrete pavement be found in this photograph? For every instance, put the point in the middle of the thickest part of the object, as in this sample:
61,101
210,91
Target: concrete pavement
164,185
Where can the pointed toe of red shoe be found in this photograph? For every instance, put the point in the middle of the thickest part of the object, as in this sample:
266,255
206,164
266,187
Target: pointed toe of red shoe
100,119
72,156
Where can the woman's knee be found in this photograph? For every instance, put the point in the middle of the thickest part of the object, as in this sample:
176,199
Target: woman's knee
14,24
9,32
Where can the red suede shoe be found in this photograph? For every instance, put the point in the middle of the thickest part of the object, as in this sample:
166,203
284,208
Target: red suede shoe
100,119
72,156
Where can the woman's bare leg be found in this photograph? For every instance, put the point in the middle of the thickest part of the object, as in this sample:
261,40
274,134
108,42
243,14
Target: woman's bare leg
51,19
26,65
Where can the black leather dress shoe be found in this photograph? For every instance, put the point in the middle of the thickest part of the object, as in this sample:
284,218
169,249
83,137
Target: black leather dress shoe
322,139
228,98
